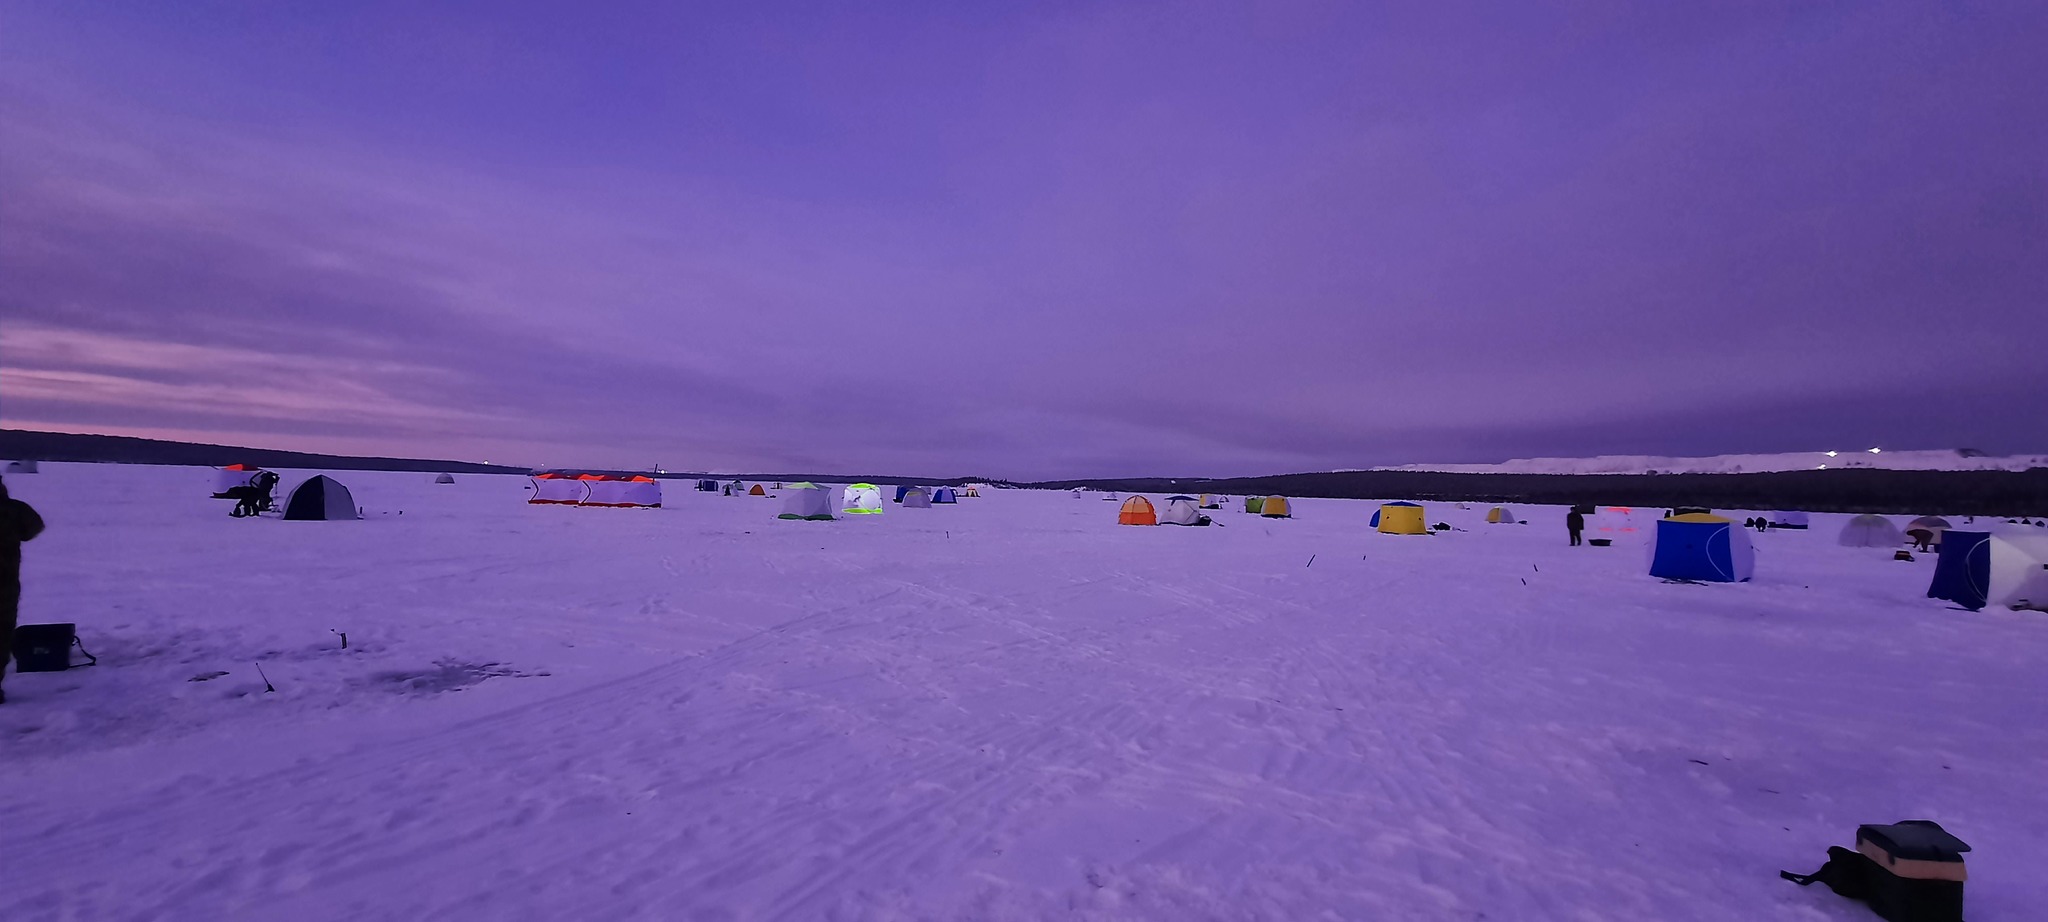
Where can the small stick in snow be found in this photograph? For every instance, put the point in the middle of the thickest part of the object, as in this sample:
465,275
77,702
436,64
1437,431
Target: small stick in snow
342,634
1536,568
1311,561
1525,581
267,687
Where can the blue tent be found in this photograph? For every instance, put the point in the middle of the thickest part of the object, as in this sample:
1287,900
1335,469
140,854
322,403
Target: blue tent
1962,574
900,490
1701,548
944,495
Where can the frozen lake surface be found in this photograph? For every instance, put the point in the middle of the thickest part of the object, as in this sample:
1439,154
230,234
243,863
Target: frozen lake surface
1008,709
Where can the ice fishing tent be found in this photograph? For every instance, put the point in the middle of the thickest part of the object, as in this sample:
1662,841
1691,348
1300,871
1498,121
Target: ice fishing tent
230,477
556,488
1182,510
1798,520
1400,518
319,499
23,466
1701,548
1933,525
1275,507
971,491
1211,502
1870,531
1977,569
1501,515
806,501
444,477
862,499
638,491
916,498
757,490
944,496
1254,504
1137,511
707,486
1616,523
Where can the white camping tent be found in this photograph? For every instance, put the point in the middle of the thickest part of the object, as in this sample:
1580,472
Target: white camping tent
917,498
563,489
634,491
1870,531
1181,511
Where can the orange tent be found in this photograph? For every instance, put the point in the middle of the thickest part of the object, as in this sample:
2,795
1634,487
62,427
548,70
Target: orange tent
757,491
1137,511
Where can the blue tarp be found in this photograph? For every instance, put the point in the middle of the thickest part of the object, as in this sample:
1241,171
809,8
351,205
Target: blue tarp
1700,551
1962,574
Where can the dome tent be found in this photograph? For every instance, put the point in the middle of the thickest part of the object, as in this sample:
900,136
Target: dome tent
1276,507
444,477
806,502
1870,531
1182,510
945,496
320,499
1701,548
1137,511
1979,569
1501,515
916,498
707,486
232,476
901,489
861,499
1933,525
757,490
1254,504
1400,518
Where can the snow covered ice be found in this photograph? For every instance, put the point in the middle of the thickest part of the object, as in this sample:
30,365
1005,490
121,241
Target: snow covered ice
1011,708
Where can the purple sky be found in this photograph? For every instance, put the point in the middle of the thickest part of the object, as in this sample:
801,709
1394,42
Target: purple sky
1026,240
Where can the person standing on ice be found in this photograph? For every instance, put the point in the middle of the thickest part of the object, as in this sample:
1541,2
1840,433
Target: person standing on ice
1574,523
18,522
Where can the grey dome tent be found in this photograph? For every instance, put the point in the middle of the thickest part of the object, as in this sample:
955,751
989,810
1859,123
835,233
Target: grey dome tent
916,498
806,502
320,499
1870,531
444,477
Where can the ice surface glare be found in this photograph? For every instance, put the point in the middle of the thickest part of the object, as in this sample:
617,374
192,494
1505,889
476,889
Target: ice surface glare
1006,709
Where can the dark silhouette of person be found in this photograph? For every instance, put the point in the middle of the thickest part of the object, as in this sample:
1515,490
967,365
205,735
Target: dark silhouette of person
18,522
1575,523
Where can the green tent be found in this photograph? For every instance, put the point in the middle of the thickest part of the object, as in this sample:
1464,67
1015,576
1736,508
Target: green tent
1255,504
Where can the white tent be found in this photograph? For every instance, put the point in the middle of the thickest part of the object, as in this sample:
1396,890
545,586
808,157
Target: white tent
2007,568
1870,531
637,491
1620,524
917,498
560,489
1181,510
444,477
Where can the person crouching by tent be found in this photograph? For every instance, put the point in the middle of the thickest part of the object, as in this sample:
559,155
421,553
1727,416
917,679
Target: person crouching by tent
1575,523
18,522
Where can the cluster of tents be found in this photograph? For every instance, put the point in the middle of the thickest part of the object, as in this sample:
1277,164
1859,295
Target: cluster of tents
812,503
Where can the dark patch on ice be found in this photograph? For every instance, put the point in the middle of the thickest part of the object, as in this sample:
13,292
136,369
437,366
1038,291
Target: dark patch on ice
447,675
206,677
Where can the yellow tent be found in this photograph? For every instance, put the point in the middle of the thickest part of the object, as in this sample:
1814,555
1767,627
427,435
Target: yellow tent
1500,515
1275,507
1137,511
1402,519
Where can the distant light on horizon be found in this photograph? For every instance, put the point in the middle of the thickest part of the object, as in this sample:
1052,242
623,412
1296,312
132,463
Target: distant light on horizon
1876,450
1830,454
1823,467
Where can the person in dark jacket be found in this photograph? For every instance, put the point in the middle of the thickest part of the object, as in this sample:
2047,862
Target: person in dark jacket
18,522
1574,523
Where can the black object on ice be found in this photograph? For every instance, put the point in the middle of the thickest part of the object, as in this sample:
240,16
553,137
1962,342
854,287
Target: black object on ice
1908,872
47,648
267,687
